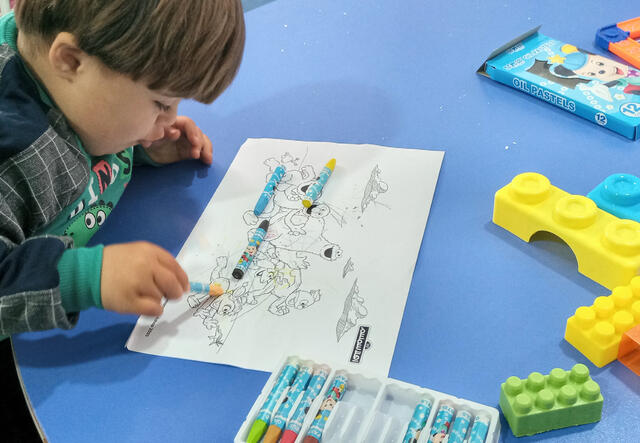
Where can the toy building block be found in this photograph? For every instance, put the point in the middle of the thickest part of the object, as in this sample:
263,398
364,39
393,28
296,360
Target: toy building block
619,194
629,351
620,39
607,248
541,403
596,330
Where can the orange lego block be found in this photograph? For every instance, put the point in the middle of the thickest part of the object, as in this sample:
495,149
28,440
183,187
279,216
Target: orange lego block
606,247
596,330
628,50
631,26
629,351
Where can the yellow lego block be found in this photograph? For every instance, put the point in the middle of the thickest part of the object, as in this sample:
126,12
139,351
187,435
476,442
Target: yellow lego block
596,330
606,247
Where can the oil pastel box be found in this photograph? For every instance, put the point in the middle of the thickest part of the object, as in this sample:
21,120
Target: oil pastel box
367,409
594,87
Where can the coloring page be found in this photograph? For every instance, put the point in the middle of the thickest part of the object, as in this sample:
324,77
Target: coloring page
327,282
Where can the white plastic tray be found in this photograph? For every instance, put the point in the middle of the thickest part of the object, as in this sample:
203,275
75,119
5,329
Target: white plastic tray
371,410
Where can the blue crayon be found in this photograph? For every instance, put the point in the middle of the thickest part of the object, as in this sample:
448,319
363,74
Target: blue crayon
251,251
314,190
264,415
460,427
334,395
280,418
315,386
269,189
479,429
441,424
419,419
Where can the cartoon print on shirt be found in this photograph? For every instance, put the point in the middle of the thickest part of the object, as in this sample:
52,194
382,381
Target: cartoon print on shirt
95,206
82,226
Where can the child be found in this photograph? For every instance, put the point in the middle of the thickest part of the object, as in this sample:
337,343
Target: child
87,89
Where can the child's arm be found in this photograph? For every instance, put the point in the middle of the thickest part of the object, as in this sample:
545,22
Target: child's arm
29,284
183,141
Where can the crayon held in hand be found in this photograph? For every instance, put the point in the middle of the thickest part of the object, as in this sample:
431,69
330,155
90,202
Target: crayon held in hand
213,289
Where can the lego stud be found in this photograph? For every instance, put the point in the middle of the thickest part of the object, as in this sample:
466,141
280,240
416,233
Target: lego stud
635,286
579,373
530,187
622,296
622,189
575,211
545,399
622,321
604,307
535,381
603,332
513,386
635,311
522,404
622,237
586,317
567,395
558,377
590,391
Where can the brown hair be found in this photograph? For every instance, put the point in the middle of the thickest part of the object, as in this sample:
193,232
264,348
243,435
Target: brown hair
186,48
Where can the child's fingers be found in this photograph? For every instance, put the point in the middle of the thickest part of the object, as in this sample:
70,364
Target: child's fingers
174,268
148,306
173,134
206,155
193,133
167,283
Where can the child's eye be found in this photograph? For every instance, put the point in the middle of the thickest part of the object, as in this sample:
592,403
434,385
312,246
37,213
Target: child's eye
162,107
600,64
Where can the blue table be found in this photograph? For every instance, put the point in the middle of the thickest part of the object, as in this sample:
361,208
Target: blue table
483,304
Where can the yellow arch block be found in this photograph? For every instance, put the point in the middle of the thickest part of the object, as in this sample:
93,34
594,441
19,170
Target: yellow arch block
606,247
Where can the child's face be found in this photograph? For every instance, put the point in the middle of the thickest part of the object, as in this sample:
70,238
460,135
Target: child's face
603,69
111,112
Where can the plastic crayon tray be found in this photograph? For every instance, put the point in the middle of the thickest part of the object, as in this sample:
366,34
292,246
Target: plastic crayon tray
372,409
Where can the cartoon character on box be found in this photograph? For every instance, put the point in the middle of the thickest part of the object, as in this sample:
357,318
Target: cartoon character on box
574,66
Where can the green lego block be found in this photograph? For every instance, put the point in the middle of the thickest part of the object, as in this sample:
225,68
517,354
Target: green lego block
541,403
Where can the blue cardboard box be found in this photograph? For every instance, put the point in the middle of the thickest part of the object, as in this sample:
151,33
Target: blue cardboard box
592,86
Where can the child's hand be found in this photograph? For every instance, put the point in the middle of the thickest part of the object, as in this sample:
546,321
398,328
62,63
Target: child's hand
135,277
182,141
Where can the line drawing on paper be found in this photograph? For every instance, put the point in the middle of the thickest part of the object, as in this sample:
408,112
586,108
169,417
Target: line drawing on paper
375,186
274,282
353,310
348,267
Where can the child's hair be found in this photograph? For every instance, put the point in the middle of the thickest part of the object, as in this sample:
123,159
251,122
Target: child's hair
187,48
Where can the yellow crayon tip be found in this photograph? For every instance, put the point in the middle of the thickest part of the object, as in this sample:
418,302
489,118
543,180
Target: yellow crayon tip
272,434
306,202
331,164
216,290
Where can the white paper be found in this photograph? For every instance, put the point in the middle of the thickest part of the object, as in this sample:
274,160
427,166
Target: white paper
317,281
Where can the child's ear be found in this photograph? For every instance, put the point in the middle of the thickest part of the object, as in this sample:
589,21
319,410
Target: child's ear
65,56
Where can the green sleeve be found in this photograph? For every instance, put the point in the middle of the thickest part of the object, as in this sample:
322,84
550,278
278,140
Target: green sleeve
80,270
140,157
